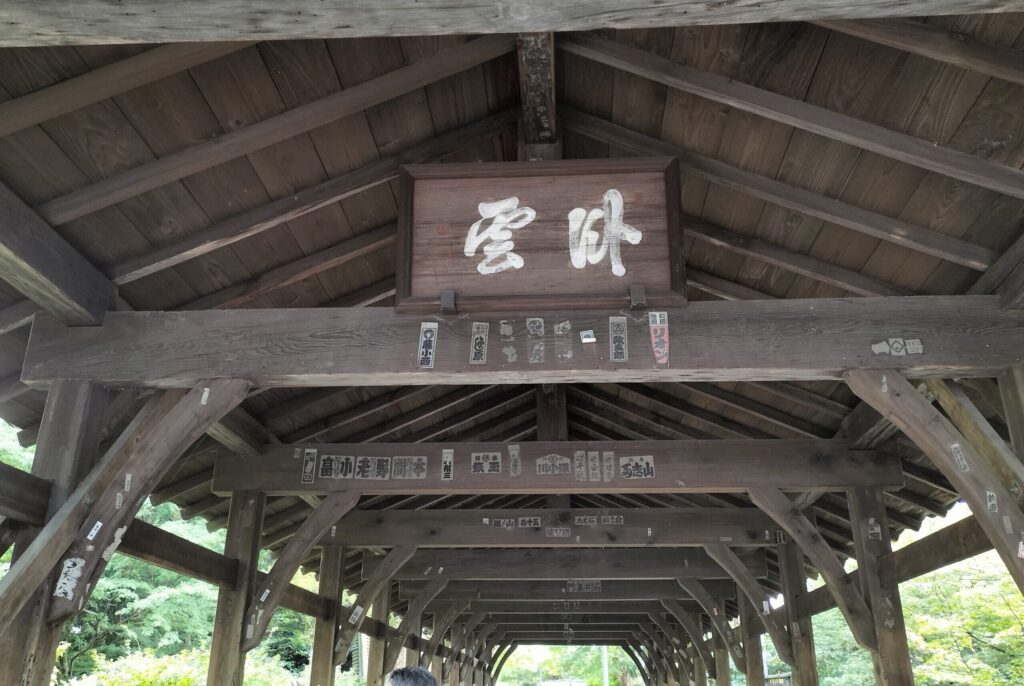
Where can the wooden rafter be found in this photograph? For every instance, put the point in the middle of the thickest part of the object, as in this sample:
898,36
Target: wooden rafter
818,120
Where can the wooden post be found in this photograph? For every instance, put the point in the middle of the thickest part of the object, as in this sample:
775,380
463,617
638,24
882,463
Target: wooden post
1011,389
412,655
723,677
322,668
375,655
878,582
749,622
801,634
700,675
65,451
245,523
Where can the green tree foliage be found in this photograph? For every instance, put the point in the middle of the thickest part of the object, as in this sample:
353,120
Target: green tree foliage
530,665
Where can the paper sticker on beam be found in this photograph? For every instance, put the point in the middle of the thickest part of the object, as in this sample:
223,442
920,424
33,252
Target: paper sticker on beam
709,341
553,467
539,528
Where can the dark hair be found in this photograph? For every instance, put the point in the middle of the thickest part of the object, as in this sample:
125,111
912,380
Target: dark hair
411,676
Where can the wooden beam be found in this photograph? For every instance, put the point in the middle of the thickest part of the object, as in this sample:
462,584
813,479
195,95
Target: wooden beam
568,564
1011,292
530,607
966,417
877,574
692,626
275,129
23,497
412,617
995,275
52,22
556,593
370,590
1011,391
107,81
791,197
751,643
538,128
17,315
851,602
722,288
788,340
715,611
992,504
801,115
245,520
638,527
321,663
592,466
442,623
150,456
43,267
756,595
801,631
268,594
950,47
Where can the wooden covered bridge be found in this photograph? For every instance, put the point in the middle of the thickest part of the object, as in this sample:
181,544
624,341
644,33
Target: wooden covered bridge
786,325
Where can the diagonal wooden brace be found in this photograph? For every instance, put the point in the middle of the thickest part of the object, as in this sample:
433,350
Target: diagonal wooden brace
413,613
848,597
442,623
692,627
723,555
718,620
371,589
268,594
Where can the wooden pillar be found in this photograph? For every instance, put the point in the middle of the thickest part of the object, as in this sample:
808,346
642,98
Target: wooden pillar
801,633
700,674
245,524
322,669
723,677
1011,389
375,655
66,449
880,588
750,626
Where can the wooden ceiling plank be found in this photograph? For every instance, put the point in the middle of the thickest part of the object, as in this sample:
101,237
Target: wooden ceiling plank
107,81
44,267
811,267
959,49
373,294
801,396
796,113
362,411
264,217
267,132
788,339
759,411
722,288
301,269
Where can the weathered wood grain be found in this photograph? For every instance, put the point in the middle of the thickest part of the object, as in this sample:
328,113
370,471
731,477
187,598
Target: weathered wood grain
539,596
269,131
23,497
947,161
51,22
787,340
715,610
635,527
45,268
677,466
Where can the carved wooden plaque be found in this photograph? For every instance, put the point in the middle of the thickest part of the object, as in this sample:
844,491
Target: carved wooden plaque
540,235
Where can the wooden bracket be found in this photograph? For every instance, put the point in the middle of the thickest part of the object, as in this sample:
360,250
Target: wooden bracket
637,297
442,623
718,620
723,555
848,597
268,594
458,641
413,613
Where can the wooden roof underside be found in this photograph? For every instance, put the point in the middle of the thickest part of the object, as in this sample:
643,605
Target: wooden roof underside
743,247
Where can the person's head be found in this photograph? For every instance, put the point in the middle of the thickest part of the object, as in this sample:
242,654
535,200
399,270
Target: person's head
411,676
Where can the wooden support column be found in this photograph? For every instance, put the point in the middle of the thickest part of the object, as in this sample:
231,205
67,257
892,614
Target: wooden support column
538,132
700,674
691,625
878,581
749,620
1011,389
68,441
245,523
718,619
322,668
442,623
412,618
801,633
723,677
992,504
378,645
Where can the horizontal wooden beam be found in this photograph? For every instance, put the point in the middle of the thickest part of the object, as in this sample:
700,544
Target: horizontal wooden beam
24,497
555,467
591,563
54,22
801,115
545,528
778,340
959,49
527,593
